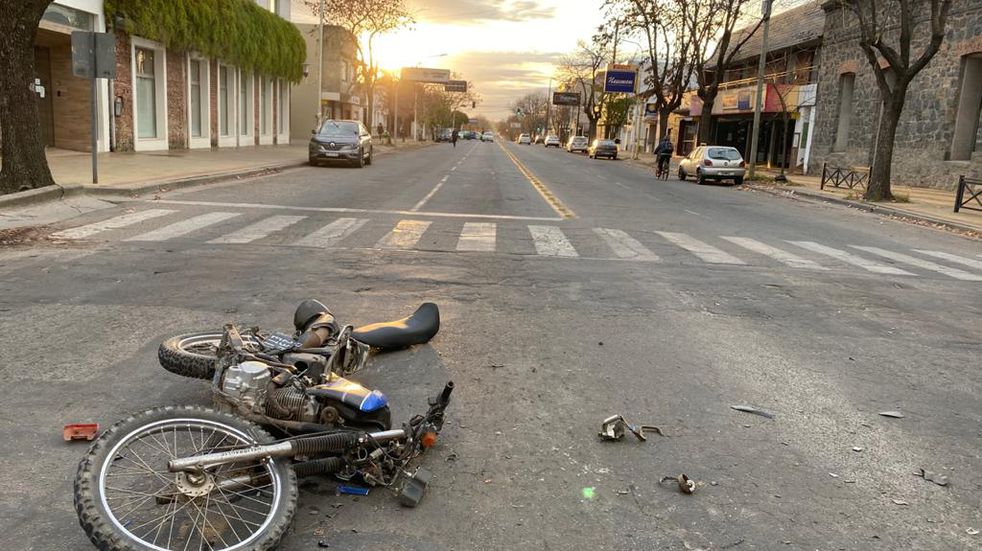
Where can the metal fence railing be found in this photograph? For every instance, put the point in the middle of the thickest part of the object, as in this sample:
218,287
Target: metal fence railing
842,177
974,188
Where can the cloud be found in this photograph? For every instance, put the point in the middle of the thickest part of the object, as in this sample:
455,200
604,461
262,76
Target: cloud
502,77
473,11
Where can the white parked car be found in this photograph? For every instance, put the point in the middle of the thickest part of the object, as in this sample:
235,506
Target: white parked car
524,139
487,136
577,144
552,141
713,162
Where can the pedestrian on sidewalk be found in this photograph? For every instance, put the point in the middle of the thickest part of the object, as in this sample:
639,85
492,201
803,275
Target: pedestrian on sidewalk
664,153
453,137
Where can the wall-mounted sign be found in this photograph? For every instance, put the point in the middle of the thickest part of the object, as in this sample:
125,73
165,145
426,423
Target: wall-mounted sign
620,81
455,86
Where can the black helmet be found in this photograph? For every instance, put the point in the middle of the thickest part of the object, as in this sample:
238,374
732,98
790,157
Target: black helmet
307,312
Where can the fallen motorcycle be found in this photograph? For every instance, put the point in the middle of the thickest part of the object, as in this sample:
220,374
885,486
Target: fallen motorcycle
195,354
199,478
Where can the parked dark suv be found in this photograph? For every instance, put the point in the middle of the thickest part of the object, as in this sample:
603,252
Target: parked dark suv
341,141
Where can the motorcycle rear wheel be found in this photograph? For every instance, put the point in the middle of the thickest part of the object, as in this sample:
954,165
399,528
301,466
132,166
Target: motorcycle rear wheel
127,500
194,354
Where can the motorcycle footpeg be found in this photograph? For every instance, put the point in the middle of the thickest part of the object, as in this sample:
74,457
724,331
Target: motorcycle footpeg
414,488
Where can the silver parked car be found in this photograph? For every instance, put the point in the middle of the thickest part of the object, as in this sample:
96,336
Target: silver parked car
578,143
713,162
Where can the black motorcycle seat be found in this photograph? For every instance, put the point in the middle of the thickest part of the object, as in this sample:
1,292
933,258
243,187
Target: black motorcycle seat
416,329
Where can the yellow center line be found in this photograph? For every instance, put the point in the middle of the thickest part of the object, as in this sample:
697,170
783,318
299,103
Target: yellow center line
543,190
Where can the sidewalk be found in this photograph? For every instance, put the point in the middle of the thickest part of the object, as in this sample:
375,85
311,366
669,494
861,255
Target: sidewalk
928,205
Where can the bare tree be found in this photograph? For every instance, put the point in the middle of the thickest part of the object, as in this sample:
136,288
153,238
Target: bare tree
668,48
531,111
900,20
711,26
24,163
366,20
583,69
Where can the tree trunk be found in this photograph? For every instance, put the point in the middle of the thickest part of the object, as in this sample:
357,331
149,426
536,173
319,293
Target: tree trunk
592,132
371,108
878,188
663,115
24,163
706,119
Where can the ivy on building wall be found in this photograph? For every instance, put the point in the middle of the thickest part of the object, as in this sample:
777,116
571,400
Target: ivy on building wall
236,31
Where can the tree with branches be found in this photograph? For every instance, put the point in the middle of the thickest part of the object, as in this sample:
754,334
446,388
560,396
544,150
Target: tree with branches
583,69
24,163
711,25
366,20
903,21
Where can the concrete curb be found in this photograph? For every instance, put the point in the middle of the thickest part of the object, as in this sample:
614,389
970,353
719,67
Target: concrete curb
883,210
40,195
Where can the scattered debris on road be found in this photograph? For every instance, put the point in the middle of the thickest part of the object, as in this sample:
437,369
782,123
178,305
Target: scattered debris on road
80,431
615,427
755,411
857,449
899,502
686,485
352,490
972,531
894,414
937,478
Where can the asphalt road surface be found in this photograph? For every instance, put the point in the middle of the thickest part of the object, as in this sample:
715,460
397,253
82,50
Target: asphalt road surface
570,289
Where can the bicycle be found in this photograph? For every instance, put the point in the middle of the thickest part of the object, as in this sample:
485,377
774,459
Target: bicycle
661,172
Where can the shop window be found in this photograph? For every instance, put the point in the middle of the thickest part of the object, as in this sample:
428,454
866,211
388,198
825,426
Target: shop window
847,83
283,108
226,100
965,138
198,111
265,106
246,105
146,93
149,95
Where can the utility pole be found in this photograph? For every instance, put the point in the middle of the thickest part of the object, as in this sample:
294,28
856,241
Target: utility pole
548,105
761,67
320,64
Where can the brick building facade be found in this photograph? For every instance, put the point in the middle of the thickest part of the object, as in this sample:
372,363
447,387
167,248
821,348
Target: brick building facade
939,135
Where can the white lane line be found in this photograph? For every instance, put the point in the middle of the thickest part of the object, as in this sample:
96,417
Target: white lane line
693,213
184,227
704,251
343,210
621,185
625,246
550,241
977,264
114,223
477,236
780,255
850,258
925,264
404,236
259,230
331,234
429,195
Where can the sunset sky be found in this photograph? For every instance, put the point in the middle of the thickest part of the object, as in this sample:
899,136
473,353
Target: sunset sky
505,47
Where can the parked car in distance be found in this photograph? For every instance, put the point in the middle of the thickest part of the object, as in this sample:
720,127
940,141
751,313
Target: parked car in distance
577,144
538,138
524,139
552,141
487,136
340,141
713,162
603,148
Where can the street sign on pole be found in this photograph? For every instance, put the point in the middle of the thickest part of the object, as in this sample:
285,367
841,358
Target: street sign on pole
565,98
455,86
619,80
94,57
516,125
422,74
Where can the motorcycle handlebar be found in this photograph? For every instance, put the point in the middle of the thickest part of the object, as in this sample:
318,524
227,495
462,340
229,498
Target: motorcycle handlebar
445,395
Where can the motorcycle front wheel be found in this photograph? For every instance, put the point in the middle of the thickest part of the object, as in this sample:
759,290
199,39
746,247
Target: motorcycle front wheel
194,354
127,499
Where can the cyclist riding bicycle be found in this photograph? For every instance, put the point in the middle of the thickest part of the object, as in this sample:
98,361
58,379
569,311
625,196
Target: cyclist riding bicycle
664,153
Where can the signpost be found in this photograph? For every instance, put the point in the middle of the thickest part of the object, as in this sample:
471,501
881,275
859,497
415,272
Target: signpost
423,74
565,98
621,80
94,57
455,86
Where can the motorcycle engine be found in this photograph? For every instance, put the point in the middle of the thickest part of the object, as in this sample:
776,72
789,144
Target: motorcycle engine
245,384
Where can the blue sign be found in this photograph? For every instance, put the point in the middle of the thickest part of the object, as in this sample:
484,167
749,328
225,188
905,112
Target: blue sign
620,81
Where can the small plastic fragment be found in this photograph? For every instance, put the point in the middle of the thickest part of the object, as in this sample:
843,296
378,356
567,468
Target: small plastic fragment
352,490
80,431
755,411
937,478
894,414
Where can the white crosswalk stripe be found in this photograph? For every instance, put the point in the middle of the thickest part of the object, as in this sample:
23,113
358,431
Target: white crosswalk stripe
184,227
920,263
550,241
331,234
405,235
478,237
850,258
625,246
977,264
706,252
780,255
259,230
114,223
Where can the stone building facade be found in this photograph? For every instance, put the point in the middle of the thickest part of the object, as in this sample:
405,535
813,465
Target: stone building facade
939,135
340,94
